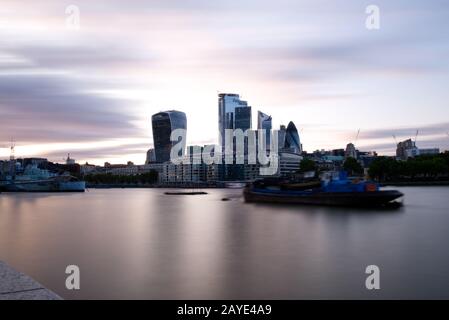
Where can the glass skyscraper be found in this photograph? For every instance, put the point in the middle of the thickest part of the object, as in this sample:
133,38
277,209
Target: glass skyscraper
163,124
233,113
292,140
264,122
289,139
281,137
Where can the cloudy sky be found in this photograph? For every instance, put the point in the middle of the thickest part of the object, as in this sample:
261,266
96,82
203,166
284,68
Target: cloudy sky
91,91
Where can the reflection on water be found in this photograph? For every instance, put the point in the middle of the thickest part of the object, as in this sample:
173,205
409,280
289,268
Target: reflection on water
140,243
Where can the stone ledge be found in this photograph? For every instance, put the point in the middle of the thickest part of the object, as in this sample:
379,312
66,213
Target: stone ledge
15,285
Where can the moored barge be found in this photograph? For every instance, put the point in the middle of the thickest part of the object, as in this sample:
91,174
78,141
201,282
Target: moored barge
334,192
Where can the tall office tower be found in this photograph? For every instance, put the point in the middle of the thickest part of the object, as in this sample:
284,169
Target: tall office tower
233,113
242,118
264,122
350,151
292,141
163,124
281,137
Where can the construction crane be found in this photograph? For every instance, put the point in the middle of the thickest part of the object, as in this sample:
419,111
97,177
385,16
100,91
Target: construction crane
395,140
357,136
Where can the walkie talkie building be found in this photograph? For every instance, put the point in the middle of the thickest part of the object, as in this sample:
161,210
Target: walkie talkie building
163,124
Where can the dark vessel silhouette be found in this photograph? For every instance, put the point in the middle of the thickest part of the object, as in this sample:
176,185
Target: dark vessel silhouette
334,192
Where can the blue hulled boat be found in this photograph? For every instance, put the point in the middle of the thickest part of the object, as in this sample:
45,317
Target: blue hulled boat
340,191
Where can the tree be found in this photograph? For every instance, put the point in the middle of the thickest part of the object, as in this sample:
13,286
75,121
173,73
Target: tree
382,168
307,165
352,166
150,177
426,167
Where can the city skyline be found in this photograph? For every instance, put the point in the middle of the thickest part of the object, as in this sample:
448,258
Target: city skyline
92,92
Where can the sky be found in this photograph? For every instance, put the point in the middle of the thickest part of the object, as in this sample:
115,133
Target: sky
90,88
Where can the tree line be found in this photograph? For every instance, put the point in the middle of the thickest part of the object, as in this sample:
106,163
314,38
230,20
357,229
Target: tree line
420,168
351,165
150,177
426,167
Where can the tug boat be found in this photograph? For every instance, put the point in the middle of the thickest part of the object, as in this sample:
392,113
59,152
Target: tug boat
331,192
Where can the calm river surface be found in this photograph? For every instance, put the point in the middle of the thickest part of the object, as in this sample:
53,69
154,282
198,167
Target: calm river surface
142,244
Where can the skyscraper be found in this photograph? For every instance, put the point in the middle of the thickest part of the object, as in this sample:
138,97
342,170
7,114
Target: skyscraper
264,122
163,124
233,113
292,140
242,118
281,137
151,156
350,151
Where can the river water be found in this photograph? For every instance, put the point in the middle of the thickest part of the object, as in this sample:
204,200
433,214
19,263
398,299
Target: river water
142,244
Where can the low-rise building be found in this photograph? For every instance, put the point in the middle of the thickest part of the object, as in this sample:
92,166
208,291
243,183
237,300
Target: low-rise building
123,169
289,163
88,168
429,151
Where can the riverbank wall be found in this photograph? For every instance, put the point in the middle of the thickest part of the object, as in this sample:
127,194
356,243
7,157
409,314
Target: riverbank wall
15,285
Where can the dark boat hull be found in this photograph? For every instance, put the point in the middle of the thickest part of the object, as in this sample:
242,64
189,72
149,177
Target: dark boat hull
180,193
347,199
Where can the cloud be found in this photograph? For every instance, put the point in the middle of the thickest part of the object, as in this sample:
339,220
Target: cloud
313,63
309,60
72,52
407,131
45,108
389,148
116,151
382,140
